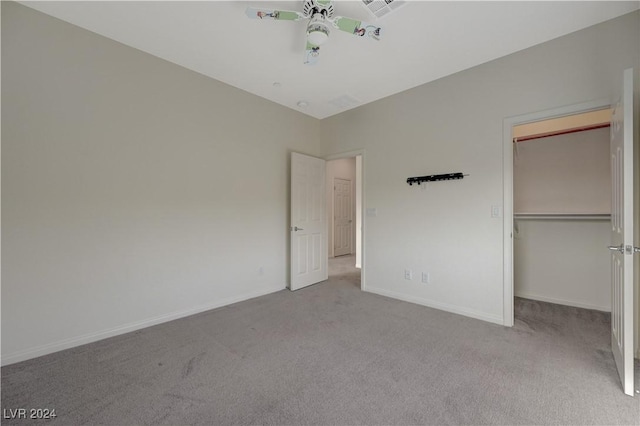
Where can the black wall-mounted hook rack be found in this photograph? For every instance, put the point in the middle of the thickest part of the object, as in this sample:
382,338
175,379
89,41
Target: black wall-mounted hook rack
434,178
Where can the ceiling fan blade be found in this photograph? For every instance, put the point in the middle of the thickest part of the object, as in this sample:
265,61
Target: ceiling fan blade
355,27
311,54
280,15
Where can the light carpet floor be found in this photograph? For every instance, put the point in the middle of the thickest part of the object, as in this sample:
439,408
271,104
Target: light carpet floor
333,355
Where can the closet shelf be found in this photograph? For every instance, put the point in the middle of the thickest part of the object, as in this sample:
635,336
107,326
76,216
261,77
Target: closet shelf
560,216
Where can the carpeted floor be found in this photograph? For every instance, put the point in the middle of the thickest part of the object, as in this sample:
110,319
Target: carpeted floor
332,355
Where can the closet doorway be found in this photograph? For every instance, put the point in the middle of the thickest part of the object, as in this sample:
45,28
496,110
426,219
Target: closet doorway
624,308
562,210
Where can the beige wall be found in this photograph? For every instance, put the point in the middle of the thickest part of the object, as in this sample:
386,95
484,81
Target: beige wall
563,261
568,173
455,124
134,191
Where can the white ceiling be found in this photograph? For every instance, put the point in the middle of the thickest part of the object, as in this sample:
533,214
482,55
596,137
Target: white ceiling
422,41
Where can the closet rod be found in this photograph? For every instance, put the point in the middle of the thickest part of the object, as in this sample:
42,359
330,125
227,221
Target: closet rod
560,132
560,216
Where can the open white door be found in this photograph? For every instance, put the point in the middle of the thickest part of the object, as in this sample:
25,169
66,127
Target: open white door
308,221
622,248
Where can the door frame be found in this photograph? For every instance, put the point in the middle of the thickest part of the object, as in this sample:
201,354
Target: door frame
360,180
507,173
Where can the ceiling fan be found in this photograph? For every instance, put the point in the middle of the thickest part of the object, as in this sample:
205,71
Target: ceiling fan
321,20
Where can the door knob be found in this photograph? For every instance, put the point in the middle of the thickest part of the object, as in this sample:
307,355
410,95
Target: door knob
295,228
619,248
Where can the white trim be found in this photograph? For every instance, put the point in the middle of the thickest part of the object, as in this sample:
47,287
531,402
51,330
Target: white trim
348,154
507,231
437,305
94,337
563,302
562,216
363,234
507,194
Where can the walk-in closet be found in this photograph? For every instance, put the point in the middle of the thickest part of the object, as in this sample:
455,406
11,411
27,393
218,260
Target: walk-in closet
562,199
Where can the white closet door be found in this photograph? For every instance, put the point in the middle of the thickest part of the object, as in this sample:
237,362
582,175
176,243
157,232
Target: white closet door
622,248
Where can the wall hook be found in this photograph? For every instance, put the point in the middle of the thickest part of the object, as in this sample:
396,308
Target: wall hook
434,178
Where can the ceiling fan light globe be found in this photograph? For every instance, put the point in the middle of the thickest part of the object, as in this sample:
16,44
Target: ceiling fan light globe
317,38
318,30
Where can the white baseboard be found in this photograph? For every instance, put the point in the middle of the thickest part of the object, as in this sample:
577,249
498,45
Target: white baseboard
563,302
93,337
438,305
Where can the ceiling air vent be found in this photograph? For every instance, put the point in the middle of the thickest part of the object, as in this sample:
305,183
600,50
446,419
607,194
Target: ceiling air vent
380,8
345,101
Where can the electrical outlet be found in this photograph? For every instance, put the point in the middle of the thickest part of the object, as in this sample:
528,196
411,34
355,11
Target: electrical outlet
426,278
408,275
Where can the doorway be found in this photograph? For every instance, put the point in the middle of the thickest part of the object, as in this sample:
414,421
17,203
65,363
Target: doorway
562,211
508,167
622,221
345,221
